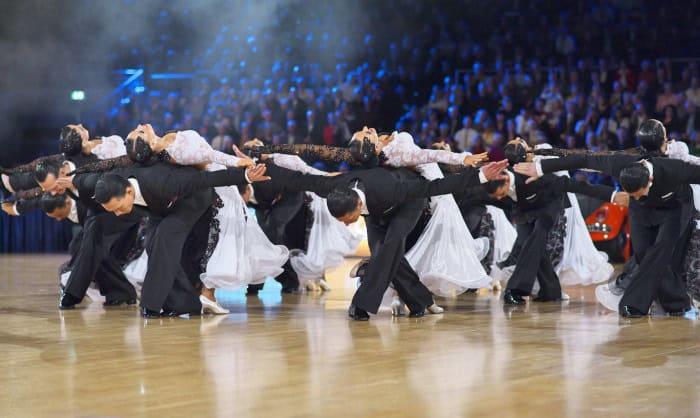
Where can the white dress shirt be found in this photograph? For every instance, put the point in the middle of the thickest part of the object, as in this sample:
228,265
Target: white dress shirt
138,197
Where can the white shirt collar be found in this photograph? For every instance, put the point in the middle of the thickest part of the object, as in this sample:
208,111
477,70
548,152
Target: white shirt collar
138,197
363,199
73,213
649,167
252,198
70,165
511,188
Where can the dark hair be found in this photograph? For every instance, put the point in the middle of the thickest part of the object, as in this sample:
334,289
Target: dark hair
515,153
364,152
70,142
139,150
110,186
46,167
49,203
651,135
341,202
490,187
634,177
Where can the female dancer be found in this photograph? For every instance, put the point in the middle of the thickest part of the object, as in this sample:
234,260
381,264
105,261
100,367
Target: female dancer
238,252
445,257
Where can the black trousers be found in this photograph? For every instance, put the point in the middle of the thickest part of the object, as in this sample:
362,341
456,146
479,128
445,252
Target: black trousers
533,261
655,234
166,285
94,258
284,224
387,242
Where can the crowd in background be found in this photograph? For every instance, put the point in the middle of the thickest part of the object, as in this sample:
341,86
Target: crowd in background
575,74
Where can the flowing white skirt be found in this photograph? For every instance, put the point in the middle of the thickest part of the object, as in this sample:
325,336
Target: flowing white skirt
135,271
330,241
243,255
581,262
446,257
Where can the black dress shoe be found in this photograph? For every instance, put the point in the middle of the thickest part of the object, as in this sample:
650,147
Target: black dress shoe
510,298
147,313
544,299
68,301
678,313
417,314
173,313
631,312
357,314
289,290
117,302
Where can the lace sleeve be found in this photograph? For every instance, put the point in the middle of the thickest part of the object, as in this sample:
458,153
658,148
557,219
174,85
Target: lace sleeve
30,194
311,152
403,157
25,168
104,165
293,162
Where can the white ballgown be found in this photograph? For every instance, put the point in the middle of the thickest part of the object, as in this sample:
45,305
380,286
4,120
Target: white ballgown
330,240
242,255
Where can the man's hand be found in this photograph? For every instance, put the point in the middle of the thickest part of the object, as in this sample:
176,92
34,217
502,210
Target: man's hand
474,159
492,171
621,199
527,169
65,182
9,208
257,173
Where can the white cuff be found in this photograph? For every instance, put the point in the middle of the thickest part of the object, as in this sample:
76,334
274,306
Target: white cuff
612,197
14,209
538,167
482,177
245,173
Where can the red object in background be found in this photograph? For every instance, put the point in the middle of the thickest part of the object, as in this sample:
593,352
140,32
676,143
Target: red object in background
610,231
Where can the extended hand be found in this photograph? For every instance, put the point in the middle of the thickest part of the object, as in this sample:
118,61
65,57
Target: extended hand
65,182
492,171
527,169
337,173
245,162
474,159
257,173
621,199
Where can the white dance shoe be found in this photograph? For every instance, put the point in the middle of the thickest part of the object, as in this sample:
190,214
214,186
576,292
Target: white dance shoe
310,286
209,306
435,309
607,298
397,307
323,284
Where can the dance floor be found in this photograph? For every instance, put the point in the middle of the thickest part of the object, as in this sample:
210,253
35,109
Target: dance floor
299,356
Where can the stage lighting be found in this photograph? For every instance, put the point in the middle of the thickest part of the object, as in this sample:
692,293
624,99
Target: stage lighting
77,95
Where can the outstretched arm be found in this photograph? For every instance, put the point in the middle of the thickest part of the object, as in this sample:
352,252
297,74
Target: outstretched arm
608,164
309,152
29,167
422,188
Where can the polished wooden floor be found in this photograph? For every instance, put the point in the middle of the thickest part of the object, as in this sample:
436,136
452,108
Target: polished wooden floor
299,356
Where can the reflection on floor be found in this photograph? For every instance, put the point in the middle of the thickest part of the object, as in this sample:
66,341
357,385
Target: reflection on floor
298,355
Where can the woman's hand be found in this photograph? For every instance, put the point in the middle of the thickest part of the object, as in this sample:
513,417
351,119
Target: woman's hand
9,208
337,173
245,162
474,159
